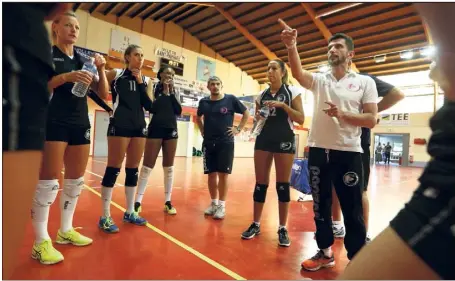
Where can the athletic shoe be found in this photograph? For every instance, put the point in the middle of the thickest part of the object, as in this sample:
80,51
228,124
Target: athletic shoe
45,253
220,213
107,225
168,208
252,231
318,261
134,218
210,211
72,237
283,237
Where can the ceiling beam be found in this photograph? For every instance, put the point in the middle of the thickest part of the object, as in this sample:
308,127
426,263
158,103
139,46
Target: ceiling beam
321,26
427,32
110,8
127,9
258,44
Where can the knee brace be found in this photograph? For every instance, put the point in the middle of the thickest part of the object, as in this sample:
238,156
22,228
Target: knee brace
131,176
46,192
73,188
260,192
110,176
283,191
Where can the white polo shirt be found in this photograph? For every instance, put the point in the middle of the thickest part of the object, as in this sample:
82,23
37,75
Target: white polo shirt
349,94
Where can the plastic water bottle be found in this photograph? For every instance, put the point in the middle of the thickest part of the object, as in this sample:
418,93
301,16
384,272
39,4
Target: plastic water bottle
260,121
79,88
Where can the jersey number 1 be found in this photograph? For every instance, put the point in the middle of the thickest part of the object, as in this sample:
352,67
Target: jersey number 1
132,85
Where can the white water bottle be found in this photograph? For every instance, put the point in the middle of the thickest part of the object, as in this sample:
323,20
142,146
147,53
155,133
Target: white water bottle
260,121
79,88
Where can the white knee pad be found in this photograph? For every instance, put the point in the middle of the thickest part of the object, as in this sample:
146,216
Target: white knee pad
73,187
46,192
145,173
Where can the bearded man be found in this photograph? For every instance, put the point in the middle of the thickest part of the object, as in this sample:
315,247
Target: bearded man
344,102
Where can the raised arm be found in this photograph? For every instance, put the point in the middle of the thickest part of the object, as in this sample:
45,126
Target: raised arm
289,38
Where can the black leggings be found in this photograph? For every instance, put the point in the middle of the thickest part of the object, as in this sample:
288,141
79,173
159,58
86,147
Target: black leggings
345,171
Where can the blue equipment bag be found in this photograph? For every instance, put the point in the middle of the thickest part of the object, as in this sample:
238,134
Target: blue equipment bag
300,175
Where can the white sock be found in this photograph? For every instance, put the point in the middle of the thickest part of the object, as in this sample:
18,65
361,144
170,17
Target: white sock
45,194
71,190
257,223
215,201
129,192
222,203
142,183
168,181
337,224
106,197
282,226
327,252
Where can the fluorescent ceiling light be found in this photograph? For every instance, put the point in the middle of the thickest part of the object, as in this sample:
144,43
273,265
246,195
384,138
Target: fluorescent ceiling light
407,55
428,51
380,58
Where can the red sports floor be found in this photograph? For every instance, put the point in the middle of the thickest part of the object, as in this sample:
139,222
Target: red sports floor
191,246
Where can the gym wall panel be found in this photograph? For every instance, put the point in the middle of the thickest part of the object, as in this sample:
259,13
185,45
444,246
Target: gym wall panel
134,24
154,29
191,43
173,34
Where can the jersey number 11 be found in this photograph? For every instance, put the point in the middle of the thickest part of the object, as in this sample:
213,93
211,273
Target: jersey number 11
133,86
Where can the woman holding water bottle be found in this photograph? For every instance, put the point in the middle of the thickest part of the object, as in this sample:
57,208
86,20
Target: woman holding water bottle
67,138
126,134
276,109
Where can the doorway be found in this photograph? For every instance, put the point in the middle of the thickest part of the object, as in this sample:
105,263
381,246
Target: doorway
399,149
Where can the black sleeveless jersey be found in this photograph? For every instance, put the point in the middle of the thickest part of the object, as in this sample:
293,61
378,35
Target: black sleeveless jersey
129,99
165,109
278,126
64,107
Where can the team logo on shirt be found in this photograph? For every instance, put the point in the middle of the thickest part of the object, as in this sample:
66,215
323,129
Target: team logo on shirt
285,145
223,110
87,134
351,179
353,87
281,98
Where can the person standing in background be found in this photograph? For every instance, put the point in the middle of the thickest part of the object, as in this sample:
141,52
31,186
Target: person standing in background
218,146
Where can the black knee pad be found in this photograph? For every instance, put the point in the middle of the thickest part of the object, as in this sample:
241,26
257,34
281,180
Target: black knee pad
260,192
283,191
110,176
132,175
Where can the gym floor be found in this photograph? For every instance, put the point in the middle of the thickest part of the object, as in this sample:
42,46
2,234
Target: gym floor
191,246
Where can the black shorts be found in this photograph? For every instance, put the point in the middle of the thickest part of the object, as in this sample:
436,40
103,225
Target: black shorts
69,134
427,222
218,157
115,131
287,147
162,133
366,158
25,100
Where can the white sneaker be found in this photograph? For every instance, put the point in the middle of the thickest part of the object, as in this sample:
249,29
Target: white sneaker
220,212
210,211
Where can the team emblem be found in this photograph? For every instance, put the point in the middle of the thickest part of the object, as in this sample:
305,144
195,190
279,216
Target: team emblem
87,134
281,98
223,110
351,179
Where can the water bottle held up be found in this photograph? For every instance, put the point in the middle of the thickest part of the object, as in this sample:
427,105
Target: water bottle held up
80,89
263,114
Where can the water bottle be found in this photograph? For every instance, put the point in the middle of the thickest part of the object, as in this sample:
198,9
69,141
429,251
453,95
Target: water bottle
79,88
260,121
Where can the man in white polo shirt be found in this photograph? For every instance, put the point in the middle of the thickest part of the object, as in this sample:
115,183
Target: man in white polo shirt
344,101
